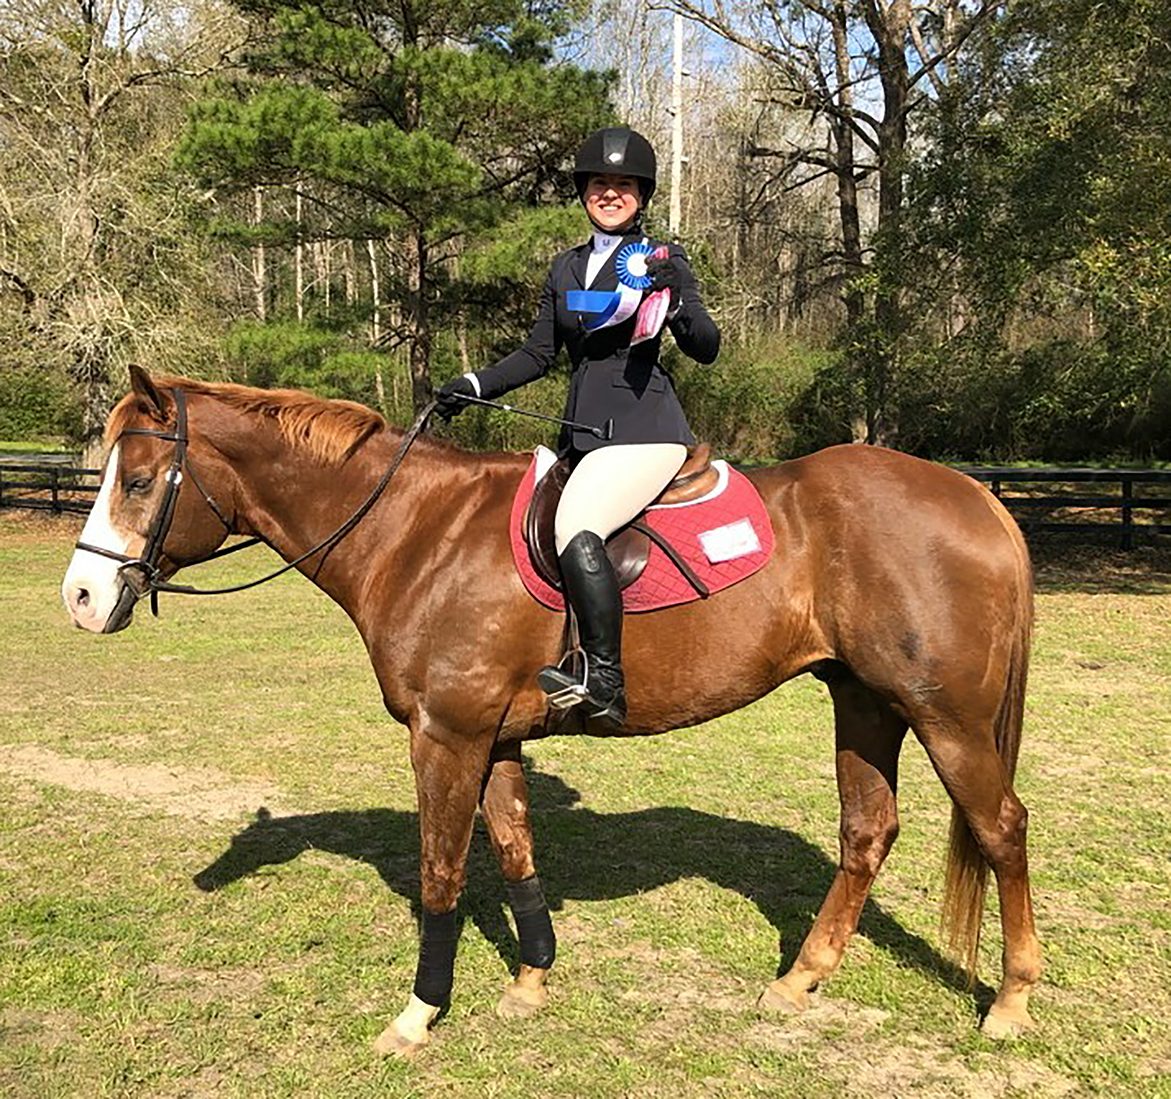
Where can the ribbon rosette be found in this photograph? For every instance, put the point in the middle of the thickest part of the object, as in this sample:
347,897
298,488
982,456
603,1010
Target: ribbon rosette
631,265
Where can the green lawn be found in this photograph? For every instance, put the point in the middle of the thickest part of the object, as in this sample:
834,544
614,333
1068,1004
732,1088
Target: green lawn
35,446
208,858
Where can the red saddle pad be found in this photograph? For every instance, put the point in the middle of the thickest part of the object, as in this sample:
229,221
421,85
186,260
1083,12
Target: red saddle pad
730,522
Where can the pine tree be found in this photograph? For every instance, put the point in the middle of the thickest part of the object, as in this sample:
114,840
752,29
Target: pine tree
421,123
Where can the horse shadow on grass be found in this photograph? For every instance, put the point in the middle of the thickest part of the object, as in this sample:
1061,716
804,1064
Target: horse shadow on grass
583,855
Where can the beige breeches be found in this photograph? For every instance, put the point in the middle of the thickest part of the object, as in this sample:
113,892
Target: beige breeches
611,485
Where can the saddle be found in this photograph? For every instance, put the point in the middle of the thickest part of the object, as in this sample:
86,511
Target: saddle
629,547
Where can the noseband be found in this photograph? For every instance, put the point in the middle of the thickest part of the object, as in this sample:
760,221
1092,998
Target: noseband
146,567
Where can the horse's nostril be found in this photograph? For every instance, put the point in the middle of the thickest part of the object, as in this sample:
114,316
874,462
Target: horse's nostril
82,598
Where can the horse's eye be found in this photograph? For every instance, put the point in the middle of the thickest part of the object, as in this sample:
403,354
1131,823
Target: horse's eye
139,486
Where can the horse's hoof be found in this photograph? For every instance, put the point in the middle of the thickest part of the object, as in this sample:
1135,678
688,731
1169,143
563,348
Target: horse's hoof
778,997
1001,1025
409,1032
520,1002
390,1043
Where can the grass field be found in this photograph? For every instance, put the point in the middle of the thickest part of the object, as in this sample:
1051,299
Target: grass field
208,858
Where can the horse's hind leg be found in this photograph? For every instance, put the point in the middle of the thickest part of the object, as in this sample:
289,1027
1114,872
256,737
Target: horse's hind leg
504,804
990,823
869,736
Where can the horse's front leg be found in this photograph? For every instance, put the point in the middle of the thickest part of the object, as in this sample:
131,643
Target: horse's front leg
449,771
505,807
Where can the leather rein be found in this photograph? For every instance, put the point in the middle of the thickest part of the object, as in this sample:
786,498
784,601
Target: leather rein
146,566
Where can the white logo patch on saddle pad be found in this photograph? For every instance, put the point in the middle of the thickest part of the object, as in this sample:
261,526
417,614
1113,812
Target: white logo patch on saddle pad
730,541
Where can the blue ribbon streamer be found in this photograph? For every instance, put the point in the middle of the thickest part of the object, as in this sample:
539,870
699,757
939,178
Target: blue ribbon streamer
602,304
589,301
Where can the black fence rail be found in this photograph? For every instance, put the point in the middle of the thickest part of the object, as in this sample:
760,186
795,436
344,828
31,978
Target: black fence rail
1121,503
43,486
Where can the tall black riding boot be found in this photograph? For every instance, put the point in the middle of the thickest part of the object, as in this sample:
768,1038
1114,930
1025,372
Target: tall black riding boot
592,590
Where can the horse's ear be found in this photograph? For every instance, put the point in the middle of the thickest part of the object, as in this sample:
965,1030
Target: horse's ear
142,384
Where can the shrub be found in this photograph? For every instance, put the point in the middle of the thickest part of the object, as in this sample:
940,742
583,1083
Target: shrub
36,403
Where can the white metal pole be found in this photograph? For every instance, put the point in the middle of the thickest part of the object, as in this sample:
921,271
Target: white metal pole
676,213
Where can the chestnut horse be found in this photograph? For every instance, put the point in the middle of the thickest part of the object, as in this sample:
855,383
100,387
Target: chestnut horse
903,585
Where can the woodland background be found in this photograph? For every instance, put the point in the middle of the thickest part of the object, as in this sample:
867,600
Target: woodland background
943,226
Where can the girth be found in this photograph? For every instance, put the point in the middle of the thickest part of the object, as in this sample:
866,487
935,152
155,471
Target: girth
629,547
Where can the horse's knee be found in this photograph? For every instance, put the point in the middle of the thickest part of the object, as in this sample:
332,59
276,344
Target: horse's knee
441,886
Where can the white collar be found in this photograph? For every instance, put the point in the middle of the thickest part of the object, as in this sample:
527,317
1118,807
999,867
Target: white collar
604,242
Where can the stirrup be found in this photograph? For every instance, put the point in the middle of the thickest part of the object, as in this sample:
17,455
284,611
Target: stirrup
562,695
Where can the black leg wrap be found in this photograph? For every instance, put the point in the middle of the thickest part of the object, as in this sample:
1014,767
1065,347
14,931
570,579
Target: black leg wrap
438,936
534,928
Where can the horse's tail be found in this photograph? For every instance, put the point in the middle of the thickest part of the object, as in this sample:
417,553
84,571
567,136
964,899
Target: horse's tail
967,869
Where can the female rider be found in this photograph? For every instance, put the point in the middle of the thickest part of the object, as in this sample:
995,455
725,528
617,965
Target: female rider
616,376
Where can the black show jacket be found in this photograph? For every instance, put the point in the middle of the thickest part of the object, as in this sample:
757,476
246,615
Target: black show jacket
611,379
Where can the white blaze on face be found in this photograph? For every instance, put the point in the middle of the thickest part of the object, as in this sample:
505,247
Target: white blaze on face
92,583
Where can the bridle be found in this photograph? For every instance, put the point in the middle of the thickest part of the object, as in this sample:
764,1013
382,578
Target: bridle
145,568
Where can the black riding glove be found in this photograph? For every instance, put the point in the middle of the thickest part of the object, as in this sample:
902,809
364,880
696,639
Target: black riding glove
450,400
667,274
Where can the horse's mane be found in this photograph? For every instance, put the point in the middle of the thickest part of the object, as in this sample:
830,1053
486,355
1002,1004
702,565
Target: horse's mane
329,430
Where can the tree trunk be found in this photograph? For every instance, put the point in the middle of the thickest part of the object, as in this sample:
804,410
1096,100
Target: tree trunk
259,272
375,324
418,321
299,262
849,218
890,29
322,273
349,279
90,367
845,170
375,295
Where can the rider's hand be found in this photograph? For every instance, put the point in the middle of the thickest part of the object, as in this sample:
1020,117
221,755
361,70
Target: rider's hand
450,400
667,274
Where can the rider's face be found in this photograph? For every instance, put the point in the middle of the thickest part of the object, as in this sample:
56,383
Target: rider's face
612,201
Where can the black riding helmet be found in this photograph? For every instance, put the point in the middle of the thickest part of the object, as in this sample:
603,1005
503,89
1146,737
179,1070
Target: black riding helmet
616,150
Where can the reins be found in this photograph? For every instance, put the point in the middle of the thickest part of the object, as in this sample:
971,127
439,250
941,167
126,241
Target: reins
147,564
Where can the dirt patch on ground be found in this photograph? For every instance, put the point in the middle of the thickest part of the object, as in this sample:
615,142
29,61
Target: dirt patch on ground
44,1029
820,1022
1157,1067
1063,565
196,793
34,526
850,1042
934,1073
837,1032
203,986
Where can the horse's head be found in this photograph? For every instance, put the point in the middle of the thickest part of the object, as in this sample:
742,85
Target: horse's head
153,513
